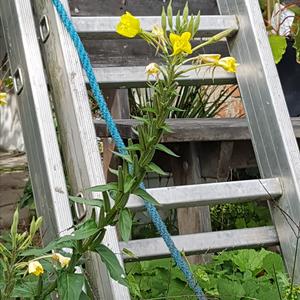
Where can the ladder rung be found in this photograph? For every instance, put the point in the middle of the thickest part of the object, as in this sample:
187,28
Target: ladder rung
125,77
105,27
204,242
211,193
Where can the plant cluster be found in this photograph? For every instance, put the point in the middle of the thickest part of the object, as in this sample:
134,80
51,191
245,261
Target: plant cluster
275,20
6,82
232,275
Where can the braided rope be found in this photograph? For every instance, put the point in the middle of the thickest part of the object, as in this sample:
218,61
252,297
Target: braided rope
152,211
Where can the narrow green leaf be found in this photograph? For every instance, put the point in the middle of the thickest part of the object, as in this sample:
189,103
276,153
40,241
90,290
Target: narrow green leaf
112,263
106,202
134,147
163,148
113,186
145,196
85,230
170,16
123,156
178,23
163,20
142,119
197,22
120,179
125,224
90,202
69,286
129,183
152,167
113,171
278,45
297,42
185,15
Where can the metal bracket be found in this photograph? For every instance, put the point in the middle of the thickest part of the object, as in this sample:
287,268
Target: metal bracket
44,28
18,81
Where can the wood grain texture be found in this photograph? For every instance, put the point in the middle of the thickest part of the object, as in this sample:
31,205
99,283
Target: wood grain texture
137,7
185,130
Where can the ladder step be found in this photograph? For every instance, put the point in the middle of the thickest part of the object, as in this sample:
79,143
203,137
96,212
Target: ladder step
211,193
187,130
105,27
126,77
204,242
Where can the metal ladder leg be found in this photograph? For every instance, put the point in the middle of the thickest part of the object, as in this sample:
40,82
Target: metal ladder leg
42,150
272,133
80,147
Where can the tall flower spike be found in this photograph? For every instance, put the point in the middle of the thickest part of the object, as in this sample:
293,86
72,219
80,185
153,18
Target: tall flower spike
181,43
129,26
35,268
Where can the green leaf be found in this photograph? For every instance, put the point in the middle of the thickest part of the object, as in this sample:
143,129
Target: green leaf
112,263
84,296
145,196
104,187
134,287
230,290
69,286
85,230
152,167
125,224
90,202
163,148
125,157
26,289
278,45
163,20
273,262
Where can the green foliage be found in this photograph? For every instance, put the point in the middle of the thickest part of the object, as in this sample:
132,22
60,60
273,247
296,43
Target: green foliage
278,45
238,275
243,215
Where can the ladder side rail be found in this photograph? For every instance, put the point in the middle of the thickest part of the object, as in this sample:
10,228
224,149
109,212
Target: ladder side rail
80,149
273,138
46,172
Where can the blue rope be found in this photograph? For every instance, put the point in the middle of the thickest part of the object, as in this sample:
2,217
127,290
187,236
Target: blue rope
159,224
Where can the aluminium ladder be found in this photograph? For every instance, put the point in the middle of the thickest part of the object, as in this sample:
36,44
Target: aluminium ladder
272,133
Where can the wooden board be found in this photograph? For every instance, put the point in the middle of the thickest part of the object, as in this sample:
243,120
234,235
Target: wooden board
137,7
185,130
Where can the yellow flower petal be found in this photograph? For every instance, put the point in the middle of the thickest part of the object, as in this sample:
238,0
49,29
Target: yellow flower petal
129,26
228,63
35,268
181,43
64,261
152,69
209,58
3,97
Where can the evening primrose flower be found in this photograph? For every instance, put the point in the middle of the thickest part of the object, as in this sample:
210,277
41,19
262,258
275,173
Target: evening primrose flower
181,43
152,69
229,64
35,268
64,261
3,97
129,26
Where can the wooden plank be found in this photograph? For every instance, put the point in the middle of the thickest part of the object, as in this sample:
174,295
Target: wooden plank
137,7
185,130
105,27
204,242
126,77
132,52
210,193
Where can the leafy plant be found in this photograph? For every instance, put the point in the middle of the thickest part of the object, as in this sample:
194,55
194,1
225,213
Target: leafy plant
276,15
6,82
233,275
191,101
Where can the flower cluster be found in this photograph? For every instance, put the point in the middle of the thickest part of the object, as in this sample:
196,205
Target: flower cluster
176,43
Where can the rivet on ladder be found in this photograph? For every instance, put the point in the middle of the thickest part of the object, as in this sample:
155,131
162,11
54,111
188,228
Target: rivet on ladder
44,28
18,81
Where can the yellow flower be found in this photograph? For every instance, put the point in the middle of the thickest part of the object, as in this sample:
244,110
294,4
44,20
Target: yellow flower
3,97
181,43
152,69
35,268
64,261
129,25
229,64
